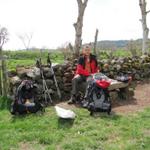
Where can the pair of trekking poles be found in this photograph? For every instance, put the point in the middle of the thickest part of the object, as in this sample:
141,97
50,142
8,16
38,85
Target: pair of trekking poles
47,94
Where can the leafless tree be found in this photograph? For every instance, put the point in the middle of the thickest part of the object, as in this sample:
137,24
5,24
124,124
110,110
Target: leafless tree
3,79
78,25
144,13
95,42
67,50
26,39
3,37
70,47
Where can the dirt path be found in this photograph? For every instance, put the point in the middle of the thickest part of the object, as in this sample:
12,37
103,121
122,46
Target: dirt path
140,101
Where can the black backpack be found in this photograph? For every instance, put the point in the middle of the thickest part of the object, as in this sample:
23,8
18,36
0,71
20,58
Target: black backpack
26,91
98,99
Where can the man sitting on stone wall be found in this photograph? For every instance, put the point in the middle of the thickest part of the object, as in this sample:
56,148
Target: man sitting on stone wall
87,65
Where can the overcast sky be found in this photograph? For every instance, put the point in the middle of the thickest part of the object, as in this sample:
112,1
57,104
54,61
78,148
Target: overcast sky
51,21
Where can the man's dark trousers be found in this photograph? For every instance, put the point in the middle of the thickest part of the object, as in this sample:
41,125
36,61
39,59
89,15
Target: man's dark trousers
77,81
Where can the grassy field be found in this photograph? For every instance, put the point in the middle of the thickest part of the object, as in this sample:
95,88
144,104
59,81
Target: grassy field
28,58
47,132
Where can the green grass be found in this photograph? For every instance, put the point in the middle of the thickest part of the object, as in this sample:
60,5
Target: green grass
12,63
116,53
121,53
47,132
20,54
28,58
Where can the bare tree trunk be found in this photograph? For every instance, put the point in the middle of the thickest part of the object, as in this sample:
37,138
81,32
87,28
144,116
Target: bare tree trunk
70,47
0,79
144,13
95,42
5,78
3,75
0,71
78,25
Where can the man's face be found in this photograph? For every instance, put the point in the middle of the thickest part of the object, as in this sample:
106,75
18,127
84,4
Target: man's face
86,51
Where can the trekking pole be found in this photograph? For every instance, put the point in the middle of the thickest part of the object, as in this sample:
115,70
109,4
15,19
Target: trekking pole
45,88
54,77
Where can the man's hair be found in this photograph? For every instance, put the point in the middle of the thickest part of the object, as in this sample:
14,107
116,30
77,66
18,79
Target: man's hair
87,46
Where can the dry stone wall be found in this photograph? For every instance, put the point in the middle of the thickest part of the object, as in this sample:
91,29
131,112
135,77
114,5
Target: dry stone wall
138,67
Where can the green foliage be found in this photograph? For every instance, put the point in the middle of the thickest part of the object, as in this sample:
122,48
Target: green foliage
12,63
47,132
121,53
116,53
32,54
4,103
103,55
28,58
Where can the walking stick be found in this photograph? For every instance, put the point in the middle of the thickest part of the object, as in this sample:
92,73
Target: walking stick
54,77
45,88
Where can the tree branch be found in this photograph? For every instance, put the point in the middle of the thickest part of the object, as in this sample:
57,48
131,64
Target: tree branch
29,37
2,43
22,38
140,20
3,36
0,39
79,3
85,2
82,3
75,25
148,11
140,2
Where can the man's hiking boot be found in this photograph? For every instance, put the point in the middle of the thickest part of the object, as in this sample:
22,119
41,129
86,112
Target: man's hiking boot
72,100
85,102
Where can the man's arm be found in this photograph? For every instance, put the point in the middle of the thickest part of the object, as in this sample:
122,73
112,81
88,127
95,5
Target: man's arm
80,67
82,71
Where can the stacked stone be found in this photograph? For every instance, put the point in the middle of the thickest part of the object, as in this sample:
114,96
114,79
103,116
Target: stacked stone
63,73
138,67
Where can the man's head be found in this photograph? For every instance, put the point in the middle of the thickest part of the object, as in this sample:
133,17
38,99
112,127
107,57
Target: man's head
86,50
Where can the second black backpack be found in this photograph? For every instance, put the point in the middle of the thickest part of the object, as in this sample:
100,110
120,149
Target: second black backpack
98,99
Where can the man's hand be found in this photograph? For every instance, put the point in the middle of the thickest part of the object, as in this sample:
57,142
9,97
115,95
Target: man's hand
76,76
98,70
